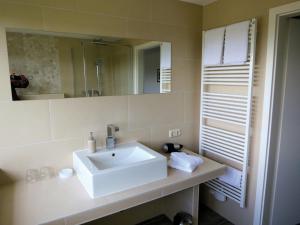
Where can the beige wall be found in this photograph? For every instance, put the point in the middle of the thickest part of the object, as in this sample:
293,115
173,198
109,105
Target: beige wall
219,14
44,133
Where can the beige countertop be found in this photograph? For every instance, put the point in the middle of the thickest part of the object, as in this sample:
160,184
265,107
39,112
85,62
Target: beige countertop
65,202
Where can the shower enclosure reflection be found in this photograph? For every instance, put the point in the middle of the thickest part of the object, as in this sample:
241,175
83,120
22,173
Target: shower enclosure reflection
67,66
102,68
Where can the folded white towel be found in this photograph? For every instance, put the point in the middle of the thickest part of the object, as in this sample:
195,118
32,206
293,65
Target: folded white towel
213,46
179,166
232,176
186,159
236,43
183,161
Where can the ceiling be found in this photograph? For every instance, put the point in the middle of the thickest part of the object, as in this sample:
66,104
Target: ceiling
199,2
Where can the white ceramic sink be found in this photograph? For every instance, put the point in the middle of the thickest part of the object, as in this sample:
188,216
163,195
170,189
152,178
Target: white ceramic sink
126,166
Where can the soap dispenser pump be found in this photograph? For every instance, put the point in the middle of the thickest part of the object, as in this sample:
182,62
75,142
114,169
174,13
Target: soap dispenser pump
91,143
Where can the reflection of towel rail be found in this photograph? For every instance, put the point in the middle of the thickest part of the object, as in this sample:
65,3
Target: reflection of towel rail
233,109
165,79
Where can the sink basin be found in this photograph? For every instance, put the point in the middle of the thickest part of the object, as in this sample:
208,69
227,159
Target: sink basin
126,166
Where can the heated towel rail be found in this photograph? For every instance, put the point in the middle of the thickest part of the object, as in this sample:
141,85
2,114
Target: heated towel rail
231,109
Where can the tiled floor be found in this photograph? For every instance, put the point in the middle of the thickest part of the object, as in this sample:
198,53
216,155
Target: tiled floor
209,217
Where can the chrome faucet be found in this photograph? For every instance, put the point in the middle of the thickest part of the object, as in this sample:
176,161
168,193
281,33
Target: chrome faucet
111,138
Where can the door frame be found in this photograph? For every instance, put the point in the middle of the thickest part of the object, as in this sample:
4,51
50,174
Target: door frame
261,213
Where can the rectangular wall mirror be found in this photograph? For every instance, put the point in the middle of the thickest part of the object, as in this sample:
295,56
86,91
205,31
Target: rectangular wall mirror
47,65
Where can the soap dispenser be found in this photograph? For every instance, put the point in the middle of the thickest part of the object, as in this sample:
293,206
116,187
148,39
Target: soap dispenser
91,143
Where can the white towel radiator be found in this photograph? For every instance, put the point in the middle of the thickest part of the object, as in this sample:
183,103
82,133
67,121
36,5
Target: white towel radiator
230,109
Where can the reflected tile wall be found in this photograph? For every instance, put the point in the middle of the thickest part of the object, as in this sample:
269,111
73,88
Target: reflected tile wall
36,57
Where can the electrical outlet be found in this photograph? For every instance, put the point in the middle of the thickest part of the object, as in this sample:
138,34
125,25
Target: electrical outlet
174,132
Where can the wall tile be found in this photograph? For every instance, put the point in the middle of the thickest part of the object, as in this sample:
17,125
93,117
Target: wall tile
56,155
193,41
186,42
155,109
196,118
160,135
23,123
112,7
83,23
140,10
77,117
190,106
176,13
166,32
141,135
62,4
184,74
20,16
141,29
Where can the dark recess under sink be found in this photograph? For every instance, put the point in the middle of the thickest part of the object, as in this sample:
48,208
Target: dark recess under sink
158,220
